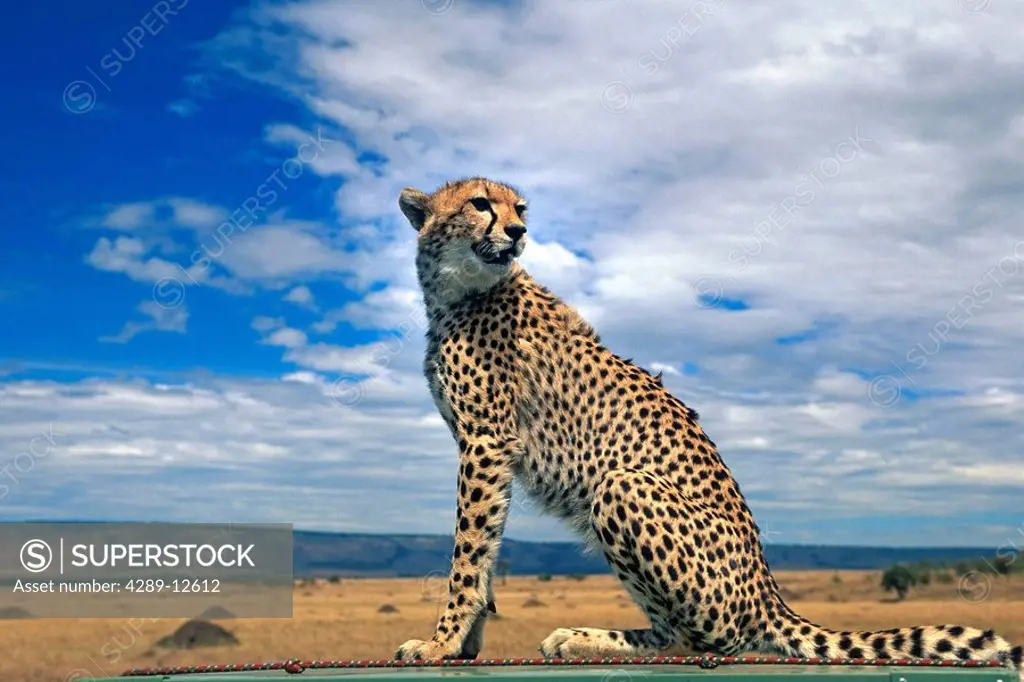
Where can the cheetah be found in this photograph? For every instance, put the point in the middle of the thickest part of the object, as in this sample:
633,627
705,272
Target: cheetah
530,393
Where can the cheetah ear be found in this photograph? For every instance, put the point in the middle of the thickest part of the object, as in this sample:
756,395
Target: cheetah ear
415,205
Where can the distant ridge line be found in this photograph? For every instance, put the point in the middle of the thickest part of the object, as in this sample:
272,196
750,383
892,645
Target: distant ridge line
321,553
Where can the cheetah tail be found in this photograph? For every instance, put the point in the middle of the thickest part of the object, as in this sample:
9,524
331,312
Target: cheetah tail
799,637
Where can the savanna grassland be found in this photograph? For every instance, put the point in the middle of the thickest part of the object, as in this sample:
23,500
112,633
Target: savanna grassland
369,618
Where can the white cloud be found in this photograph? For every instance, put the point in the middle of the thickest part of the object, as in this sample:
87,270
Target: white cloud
851,174
183,107
161,215
195,214
663,368
324,357
286,337
390,308
331,157
302,296
235,261
161,318
282,250
249,440
128,216
274,450
262,323
127,255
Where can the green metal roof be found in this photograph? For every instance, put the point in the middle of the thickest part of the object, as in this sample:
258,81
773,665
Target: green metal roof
611,673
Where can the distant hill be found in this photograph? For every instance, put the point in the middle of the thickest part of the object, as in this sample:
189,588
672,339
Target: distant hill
348,554
324,554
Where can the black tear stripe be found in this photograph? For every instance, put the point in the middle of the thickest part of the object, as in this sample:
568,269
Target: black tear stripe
490,209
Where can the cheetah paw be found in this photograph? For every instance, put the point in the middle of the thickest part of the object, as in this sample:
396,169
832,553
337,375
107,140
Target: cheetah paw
418,650
564,643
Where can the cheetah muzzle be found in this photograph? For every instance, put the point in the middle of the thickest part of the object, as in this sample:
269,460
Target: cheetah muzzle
529,392
492,254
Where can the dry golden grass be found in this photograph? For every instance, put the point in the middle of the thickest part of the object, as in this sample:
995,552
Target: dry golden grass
343,621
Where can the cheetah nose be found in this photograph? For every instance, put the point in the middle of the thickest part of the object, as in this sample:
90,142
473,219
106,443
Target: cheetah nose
515,232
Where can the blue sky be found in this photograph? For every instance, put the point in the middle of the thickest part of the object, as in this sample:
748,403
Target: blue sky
129,140
812,227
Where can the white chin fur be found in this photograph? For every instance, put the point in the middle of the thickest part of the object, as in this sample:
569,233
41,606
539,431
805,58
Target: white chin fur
462,272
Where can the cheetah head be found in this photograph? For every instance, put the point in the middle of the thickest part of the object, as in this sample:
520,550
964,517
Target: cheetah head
470,233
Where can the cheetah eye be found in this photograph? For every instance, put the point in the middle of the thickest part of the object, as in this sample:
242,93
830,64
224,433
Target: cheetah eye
481,204
520,210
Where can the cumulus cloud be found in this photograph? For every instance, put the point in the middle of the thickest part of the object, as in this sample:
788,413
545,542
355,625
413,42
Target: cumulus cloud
128,216
761,166
815,171
322,445
183,107
302,296
238,248
161,318
286,337
821,214
128,255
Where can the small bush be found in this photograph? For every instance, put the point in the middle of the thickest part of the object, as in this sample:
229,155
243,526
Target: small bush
899,579
14,612
197,633
1003,564
544,577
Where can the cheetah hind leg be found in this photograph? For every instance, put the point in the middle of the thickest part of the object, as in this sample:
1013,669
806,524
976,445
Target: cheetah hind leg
597,643
619,491
642,525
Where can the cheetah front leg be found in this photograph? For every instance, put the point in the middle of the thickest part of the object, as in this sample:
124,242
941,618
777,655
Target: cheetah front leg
474,641
485,486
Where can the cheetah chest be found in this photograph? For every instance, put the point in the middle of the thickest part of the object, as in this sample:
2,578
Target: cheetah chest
434,373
